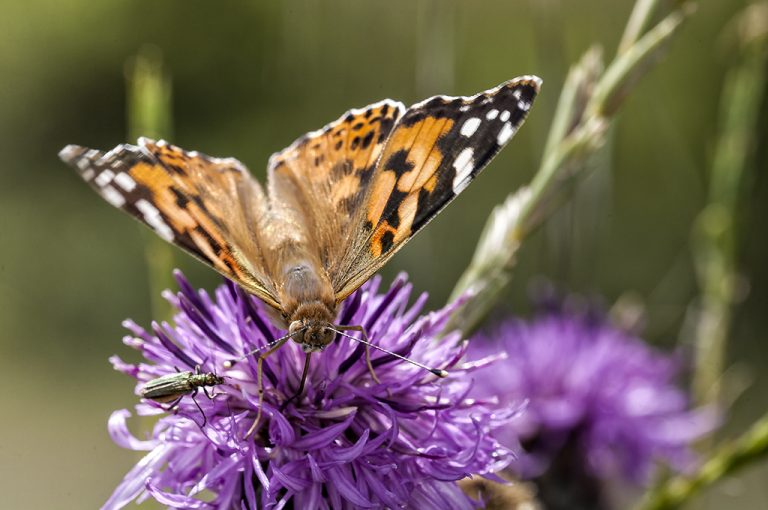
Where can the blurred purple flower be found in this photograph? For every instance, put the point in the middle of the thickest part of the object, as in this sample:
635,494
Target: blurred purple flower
591,389
347,442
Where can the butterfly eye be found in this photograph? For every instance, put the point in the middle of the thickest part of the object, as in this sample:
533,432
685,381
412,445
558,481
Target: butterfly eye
326,336
295,330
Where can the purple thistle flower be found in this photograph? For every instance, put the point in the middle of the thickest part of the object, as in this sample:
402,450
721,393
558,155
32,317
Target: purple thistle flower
593,392
346,442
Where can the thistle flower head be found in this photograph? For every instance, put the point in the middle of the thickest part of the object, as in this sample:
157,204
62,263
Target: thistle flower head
592,389
347,441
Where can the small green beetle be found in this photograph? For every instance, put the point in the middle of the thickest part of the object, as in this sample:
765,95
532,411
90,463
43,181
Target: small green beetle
172,388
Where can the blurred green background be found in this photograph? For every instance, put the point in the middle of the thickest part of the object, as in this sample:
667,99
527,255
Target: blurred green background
248,78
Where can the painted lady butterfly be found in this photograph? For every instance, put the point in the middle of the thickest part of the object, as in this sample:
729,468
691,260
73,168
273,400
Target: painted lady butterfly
339,202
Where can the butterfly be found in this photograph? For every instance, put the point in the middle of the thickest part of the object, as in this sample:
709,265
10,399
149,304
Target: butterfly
338,204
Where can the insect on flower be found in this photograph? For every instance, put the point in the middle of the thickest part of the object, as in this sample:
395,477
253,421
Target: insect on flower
348,443
172,388
340,202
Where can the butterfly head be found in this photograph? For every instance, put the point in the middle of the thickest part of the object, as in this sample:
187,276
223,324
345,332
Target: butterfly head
313,336
311,327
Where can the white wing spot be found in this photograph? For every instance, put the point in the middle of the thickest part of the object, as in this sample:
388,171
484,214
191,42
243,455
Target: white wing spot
464,166
104,178
154,220
470,126
88,173
505,134
112,196
504,116
464,108
115,163
516,94
524,105
492,114
111,155
125,181
83,164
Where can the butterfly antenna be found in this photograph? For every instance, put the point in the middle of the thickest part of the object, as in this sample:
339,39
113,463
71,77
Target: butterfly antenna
231,362
436,371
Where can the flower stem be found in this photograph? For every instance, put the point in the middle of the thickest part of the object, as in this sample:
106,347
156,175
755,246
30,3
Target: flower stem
749,448
587,106
638,20
714,237
149,114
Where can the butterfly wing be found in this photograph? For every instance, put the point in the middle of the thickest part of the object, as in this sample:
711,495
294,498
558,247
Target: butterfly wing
349,195
213,208
319,181
434,151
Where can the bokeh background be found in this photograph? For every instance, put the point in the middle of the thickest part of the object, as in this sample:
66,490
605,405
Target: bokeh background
248,78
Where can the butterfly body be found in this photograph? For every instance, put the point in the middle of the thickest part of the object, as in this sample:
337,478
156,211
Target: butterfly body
309,306
339,202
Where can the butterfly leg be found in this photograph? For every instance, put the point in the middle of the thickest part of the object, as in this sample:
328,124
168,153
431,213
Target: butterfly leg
260,383
361,329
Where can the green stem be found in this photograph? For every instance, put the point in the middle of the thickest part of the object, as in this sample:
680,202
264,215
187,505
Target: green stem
585,111
149,114
715,241
634,62
749,448
638,20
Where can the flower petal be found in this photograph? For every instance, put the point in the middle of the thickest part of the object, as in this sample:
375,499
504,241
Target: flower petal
175,500
323,438
343,481
288,481
133,482
118,431
350,453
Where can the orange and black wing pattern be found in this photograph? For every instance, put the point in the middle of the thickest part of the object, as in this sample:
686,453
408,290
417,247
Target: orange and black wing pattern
211,207
323,176
434,151
342,199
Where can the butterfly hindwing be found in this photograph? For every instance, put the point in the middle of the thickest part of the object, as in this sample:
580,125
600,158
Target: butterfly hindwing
210,207
435,150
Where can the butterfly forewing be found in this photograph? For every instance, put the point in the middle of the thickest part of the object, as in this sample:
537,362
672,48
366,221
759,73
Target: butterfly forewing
210,207
323,175
435,150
